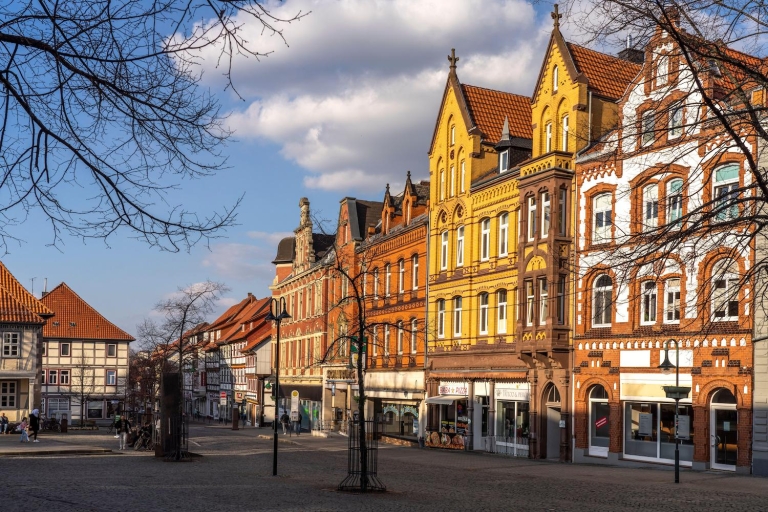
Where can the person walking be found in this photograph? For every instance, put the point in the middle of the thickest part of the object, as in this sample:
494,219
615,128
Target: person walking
298,425
285,421
23,427
117,420
123,428
34,423
4,424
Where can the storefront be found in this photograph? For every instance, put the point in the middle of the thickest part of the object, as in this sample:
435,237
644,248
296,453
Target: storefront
396,399
512,417
448,416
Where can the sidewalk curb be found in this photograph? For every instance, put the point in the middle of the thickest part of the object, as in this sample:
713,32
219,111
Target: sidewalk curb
280,439
79,451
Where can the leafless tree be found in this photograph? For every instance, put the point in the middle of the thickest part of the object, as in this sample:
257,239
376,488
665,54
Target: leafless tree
83,382
102,115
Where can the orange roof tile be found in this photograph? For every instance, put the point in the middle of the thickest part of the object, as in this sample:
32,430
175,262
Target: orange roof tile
488,109
236,332
75,318
257,336
13,311
29,301
608,76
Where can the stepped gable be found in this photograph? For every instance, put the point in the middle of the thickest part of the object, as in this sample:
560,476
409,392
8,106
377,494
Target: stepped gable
75,318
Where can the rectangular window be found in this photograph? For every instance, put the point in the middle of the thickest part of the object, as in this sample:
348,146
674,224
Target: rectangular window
503,233
386,341
11,344
53,377
44,347
544,302
375,283
400,337
111,350
648,306
545,214
64,377
375,340
672,301
442,184
96,409
531,218
503,161
565,133
501,300
561,301
485,239
7,394
387,278
650,207
111,377
562,212
602,231
64,349
57,407
463,174
726,193
444,251
530,303
414,330
725,299
675,120
401,277
457,302
441,318
415,272
483,313
459,246
647,128
675,203
452,177
548,143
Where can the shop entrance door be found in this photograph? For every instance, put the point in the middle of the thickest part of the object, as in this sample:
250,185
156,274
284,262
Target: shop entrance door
724,437
553,433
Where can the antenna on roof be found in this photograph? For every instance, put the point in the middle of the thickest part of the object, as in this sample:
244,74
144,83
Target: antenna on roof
45,287
629,41
33,285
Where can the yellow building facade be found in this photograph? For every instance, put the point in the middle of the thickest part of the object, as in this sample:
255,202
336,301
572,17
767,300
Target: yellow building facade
480,135
573,105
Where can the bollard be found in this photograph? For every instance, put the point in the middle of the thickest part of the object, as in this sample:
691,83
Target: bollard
64,425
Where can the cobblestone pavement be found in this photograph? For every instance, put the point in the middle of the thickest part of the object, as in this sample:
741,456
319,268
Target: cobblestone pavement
235,473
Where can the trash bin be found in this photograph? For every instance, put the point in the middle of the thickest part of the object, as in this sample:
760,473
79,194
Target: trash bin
64,424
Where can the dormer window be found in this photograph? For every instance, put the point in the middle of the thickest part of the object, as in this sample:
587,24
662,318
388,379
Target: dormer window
503,161
554,79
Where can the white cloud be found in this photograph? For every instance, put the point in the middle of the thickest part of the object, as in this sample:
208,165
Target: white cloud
242,262
354,98
268,238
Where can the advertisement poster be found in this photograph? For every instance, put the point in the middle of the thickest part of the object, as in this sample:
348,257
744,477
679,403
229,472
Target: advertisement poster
646,425
683,427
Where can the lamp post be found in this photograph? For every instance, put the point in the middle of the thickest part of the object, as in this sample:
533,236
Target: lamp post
274,307
676,393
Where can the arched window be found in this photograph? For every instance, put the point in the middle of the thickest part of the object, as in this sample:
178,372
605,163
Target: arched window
387,279
441,318
483,313
503,233
543,301
444,250
565,133
400,337
442,184
485,239
600,421
457,301
460,246
554,79
553,395
401,276
726,192
462,175
724,396
375,340
603,213
674,202
453,134
548,138
725,291
648,303
376,283
415,272
414,331
672,301
453,180
650,207
501,305
531,218
602,301
386,340
662,70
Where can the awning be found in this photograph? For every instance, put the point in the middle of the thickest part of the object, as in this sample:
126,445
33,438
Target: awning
445,399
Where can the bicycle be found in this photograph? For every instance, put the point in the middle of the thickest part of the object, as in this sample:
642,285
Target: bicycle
51,424
144,441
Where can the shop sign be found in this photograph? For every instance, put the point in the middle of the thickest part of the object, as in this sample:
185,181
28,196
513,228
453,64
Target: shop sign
452,389
601,422
645,427
239,396
683,427
520,395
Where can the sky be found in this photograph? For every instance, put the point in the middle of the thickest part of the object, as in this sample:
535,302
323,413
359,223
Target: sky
346,108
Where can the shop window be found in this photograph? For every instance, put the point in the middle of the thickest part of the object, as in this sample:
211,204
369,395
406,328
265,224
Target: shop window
457,316
503,233
546,212
672,301
650,207
485,239
600,415
543,301
58,407
675,120
675,203
483,402
8,394
648,303
501,302
96,410
602,229
649,430
459,246
602,302
725,297
444,250
11,344
726,193
512,425
441,318
483,313
531,218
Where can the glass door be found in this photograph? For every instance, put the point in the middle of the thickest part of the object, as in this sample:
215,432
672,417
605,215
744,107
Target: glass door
724,437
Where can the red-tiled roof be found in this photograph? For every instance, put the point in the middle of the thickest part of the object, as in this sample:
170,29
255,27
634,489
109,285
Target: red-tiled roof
246,315
75,318
29,301
608,76
488,109
257,336
12,311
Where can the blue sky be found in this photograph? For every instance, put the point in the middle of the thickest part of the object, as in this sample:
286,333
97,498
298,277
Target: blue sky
348,107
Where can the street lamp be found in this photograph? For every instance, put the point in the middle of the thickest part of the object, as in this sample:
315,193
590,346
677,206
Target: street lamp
275,306
676,393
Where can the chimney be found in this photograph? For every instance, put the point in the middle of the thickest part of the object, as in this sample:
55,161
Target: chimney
632,54
45,288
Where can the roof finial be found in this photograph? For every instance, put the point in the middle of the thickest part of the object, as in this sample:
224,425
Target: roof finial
453,59
556,17
505,129
408,175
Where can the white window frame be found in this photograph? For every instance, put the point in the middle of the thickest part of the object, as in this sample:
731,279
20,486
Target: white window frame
387,279
650,207
53,378
442,184
602,225
530,303
554,78
546,213
504,161
375,283
452,177
483,301
112,346
441,318
460,246
543,301
531,218
548,138
675,121
415,272
503,233
400,337
463,173
112,373
599,295
725,192
401,276
457,315
444,250
485,239
648,302
662,70
414,331
501,308
453,135
563,212
11,344
674,203
730,294
386,340
672,300
375,340
647,128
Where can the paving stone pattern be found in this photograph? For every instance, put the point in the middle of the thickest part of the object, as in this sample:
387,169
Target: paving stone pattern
235,474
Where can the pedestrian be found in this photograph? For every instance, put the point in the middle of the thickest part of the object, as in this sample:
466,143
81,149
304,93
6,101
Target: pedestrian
123,427
298,425
117,420
34,423
4,424
285,421
23,427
